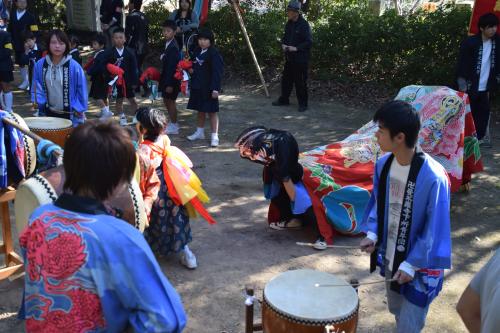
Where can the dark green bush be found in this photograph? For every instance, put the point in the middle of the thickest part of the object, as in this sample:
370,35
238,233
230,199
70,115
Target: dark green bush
156,13
350,43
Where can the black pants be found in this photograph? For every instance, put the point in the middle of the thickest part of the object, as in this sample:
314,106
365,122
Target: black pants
480,107
294,74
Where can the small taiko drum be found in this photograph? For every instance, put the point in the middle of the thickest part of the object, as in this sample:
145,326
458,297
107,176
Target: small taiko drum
308,301
45,188
29,146
54,129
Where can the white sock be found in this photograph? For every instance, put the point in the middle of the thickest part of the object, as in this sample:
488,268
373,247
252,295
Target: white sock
200,130
215,135
8,100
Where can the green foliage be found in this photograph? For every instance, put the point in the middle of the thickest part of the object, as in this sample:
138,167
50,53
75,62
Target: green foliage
156,13
351,44
264,31
51,13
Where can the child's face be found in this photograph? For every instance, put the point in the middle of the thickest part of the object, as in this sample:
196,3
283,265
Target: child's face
119,39
168,33
57,47
30,43
184,5
204,43
22,4
96,46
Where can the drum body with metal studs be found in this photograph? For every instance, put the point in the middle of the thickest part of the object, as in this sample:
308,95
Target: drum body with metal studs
29,147
300,301
54,129
45,188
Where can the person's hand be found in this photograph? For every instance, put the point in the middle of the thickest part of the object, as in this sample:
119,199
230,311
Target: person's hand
292,49
402,277
169,90
215,94
367,245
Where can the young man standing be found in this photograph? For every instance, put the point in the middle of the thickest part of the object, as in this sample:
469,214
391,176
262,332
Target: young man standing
407,220
296,45
478,72
20,22
136,32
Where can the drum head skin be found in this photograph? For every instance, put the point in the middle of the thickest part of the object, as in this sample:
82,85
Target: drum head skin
48,123
295,295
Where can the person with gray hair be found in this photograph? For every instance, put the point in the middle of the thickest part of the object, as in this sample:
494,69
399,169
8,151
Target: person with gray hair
296,45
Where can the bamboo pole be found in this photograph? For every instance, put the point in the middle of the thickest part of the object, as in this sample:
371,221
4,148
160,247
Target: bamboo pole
244,30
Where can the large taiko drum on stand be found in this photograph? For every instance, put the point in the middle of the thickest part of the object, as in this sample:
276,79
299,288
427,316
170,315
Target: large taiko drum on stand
45,188
293,303
54,129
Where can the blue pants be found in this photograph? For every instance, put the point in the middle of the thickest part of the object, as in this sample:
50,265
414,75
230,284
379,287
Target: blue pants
410,318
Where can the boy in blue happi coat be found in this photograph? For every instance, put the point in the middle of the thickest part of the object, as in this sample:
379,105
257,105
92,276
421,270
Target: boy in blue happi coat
407,220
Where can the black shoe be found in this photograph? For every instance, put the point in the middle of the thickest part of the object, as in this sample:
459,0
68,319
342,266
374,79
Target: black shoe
279,102
302,108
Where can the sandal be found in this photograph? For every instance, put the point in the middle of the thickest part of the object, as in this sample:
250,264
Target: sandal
282,225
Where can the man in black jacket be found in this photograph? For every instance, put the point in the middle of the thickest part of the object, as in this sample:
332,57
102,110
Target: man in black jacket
478,71
296,45
111,16
20,22
136,30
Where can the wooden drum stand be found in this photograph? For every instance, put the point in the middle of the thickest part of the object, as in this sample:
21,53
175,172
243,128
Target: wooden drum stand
13,262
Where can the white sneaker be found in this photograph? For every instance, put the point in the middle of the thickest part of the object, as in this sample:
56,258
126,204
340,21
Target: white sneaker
106,114
215,140
188,259
123,120
198,135
320,244
172,129
36,114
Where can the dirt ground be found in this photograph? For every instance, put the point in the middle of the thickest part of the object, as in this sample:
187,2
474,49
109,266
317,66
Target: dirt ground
240,250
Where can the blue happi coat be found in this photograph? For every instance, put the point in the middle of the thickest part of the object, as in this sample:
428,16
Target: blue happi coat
429,242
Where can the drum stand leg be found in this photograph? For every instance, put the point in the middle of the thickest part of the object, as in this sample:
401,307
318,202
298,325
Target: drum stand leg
13,262
250,327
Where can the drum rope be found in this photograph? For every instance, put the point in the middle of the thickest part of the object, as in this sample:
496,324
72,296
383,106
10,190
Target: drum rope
318,285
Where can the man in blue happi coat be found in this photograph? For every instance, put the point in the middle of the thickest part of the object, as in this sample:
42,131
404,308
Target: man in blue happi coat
407,220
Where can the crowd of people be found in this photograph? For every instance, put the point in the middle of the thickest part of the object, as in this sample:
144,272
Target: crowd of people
74,283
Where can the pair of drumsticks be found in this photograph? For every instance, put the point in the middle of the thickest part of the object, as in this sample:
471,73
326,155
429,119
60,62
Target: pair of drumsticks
343,285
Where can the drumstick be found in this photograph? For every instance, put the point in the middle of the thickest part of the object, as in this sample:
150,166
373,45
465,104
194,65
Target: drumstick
26,132
317,285
330,246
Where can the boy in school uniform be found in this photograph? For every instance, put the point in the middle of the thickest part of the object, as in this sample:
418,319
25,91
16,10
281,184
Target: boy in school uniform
31,55
6,69
96,70
74,53
21,21
124,57
169,86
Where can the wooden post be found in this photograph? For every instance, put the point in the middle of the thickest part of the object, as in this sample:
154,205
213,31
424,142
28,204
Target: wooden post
244,30
249,312
12,260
